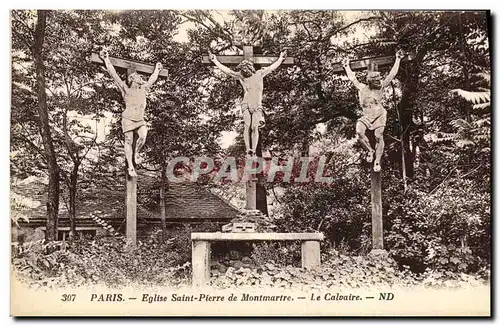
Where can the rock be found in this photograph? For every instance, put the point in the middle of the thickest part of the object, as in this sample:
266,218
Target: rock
246,260
234,254
270,266
37,235
246,270
227,227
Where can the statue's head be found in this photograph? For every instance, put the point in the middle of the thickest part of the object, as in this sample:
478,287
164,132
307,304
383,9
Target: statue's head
133,77
373,77
246,68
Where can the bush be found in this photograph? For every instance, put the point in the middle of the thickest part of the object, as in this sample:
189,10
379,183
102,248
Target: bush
340,210
444,230
157,259
108,261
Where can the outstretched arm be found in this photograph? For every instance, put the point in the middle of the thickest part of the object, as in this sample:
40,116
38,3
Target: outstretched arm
111,70
154,76
394,71
223,68
267,70
350,74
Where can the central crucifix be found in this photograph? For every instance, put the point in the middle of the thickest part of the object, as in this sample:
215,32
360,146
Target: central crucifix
251,105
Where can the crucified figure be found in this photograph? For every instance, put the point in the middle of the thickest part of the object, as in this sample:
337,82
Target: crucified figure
374,115
251,106
134,94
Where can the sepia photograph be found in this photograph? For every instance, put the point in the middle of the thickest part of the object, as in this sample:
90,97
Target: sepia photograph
250,162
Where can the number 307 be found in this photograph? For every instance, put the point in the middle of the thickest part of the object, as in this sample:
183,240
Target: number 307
68,297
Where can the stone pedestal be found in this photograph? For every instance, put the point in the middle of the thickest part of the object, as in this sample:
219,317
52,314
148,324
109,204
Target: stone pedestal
310,254
246,217
200,262
201,248
379,253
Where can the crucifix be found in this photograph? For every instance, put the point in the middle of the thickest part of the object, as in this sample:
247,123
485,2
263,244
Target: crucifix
373,120
134,91
251,105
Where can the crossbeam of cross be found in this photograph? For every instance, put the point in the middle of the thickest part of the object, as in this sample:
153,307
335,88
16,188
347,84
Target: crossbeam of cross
363,63
122,64
257,59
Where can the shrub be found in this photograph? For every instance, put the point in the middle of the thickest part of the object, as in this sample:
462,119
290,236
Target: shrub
447,229
107,261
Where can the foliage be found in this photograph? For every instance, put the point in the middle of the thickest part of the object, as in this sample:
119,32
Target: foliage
108,261
481,99
114,264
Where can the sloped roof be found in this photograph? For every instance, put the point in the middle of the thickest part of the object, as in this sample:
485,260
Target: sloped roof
184,202
187,201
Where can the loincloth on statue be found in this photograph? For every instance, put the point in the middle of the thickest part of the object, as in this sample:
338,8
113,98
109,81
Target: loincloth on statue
256,114
374,120
130,125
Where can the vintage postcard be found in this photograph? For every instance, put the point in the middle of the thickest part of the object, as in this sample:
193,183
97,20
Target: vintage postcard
250,163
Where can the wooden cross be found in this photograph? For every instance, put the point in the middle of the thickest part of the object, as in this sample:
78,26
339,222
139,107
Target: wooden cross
123,65
373,63
257,60
131,183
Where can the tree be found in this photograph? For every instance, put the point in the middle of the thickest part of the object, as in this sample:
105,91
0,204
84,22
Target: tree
31,42
72,93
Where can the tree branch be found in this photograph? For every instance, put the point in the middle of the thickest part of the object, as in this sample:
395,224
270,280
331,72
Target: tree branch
333,32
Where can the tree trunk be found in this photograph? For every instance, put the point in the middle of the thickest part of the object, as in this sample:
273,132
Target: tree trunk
406,108
304,147
73,188
261,200
463,62
43,124
401,142
163,204
406,125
